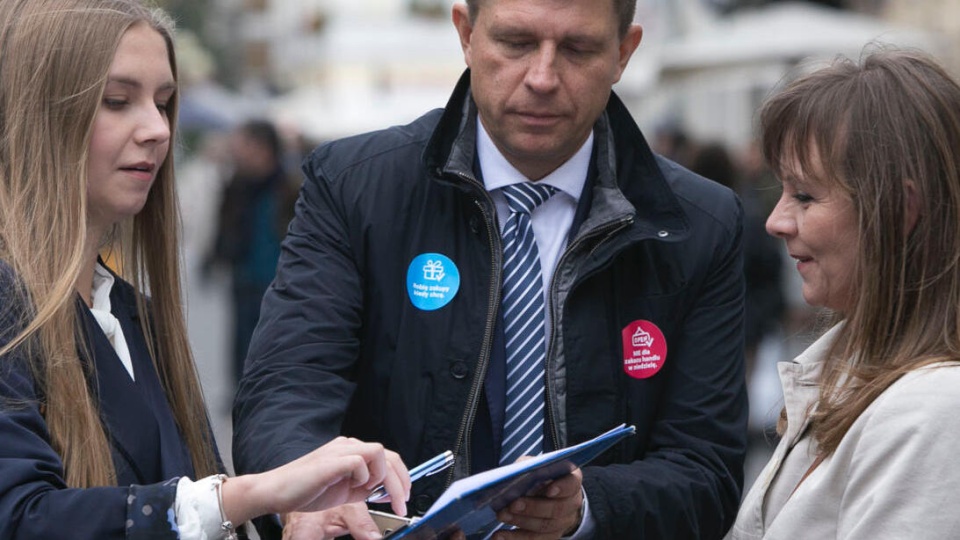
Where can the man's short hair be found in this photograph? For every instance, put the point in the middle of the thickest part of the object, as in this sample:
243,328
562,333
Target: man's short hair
625,11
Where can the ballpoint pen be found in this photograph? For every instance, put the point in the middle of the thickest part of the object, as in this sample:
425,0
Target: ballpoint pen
427,468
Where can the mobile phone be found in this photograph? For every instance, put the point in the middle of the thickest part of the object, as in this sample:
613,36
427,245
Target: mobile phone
388,523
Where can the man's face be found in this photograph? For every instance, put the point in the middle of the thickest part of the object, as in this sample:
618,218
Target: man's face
541,73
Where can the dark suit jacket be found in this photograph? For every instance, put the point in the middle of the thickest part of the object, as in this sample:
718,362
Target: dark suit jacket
148,451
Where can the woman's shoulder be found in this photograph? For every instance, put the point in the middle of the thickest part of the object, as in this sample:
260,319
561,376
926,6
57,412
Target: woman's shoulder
916,414
927,394
932,377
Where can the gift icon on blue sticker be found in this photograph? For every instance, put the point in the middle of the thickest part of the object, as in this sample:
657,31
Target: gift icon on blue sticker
433,271
432,281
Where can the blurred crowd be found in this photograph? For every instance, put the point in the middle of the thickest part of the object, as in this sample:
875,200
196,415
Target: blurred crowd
239,185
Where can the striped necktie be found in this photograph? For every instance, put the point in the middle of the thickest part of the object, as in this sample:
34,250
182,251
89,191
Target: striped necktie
523,318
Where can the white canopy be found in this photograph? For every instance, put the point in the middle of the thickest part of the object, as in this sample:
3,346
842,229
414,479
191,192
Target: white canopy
784,31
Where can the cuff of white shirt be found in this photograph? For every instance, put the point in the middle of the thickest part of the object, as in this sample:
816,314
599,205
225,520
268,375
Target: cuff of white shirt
197,509
587,523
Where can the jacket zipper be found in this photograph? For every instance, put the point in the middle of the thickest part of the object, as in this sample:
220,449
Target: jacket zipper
463,435
610,230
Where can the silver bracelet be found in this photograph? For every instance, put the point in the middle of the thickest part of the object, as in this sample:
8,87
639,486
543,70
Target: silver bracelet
229,531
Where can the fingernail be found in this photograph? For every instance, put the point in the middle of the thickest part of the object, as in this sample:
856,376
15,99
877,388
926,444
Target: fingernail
553,491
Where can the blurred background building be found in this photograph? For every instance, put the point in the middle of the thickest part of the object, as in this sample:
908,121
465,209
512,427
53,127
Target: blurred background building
336,67
322,69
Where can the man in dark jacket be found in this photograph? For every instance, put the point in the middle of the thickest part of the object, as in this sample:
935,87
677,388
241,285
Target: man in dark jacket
391,315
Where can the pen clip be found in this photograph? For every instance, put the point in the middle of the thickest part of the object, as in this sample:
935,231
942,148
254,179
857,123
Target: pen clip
427,468
432,466
444,466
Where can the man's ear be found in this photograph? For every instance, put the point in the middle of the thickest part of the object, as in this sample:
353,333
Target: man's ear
912,201
628,45
461,20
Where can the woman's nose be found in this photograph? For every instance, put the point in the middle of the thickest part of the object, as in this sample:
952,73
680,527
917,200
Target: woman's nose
780,224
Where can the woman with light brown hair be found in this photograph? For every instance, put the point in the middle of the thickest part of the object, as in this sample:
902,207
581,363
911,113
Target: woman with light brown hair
102,421
869,158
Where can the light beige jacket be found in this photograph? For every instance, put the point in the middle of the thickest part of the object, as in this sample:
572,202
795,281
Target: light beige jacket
895,474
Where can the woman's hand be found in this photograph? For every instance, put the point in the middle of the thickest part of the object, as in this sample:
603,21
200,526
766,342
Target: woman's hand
342,471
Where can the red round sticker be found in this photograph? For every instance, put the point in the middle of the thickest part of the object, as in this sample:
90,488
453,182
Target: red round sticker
644,349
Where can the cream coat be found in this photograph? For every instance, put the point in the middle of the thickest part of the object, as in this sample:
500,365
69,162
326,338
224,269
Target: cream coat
895,475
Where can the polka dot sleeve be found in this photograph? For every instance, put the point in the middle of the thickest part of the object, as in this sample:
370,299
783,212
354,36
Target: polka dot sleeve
150,512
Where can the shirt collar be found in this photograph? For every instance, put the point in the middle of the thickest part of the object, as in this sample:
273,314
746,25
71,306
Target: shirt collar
498,172
102,283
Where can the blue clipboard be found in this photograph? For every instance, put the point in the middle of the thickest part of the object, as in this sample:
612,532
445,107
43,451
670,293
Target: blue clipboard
471,504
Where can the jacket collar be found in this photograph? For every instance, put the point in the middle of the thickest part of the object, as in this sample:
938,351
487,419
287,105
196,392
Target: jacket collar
629,182
451,150
800,380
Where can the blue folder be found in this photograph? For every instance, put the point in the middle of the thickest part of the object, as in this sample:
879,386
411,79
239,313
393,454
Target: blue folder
471,504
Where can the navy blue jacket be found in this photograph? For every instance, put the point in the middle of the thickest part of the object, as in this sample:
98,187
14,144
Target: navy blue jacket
148,451
343,348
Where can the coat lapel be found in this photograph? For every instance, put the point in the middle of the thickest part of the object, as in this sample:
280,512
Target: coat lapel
147,445
126,416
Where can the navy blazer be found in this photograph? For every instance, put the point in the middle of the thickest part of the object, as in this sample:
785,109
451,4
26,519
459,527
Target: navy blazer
148,451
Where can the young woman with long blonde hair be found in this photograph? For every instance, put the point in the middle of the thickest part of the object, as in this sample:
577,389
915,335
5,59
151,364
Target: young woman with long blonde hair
102,421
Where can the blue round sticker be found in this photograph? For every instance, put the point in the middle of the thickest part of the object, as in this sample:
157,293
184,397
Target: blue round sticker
432,281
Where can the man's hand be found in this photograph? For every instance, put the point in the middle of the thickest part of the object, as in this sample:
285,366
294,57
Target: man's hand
555,513
352,519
